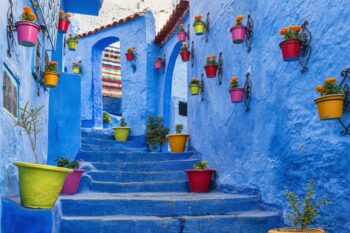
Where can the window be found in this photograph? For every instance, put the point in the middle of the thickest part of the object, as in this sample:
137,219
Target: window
10,93
182,108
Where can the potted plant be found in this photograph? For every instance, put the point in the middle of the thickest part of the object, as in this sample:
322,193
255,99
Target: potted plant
27,29
178,141
211,67
64,21
182,35
302,212
194,86
199,25
330,104
39,184
107,120
185,54
238,31
156,133
159,63
72,181
76,67
72,42
291,45
199,179
130,54
236,93
51,74
121,132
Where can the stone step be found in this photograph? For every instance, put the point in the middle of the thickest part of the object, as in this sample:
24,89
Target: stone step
156,204
244,222
102,148
111,142
112,176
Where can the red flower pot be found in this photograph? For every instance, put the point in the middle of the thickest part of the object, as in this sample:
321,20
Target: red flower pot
211,70
182,36
130,56
63,25
237,95
158,64
291,49
72,182
185,55
200,179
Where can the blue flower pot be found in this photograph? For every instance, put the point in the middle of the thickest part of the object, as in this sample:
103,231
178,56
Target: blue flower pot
154,148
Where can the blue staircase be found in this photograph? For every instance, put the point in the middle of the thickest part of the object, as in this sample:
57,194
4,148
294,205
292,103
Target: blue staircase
129,190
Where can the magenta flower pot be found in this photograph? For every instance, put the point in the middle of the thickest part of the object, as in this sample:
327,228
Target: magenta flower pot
238,34
27,33
72,182
158,65
182,36
237,95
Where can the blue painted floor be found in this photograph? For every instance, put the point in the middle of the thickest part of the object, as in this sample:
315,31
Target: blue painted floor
129,190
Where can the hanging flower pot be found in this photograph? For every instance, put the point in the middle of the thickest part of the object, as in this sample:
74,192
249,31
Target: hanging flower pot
238,31
177,142
194,86
199,25
200,178
182,35
236,93
121,132
330,104
211,67
51,74
130,55
27,30
159,63
185,54
291,46
76,68
72,43
64,21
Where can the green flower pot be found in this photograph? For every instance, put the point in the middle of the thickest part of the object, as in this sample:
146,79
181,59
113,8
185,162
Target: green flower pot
121,134
76,69
40,185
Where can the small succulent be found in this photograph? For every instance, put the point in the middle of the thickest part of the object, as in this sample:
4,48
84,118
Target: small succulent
179,128
106,117
63,162
123,123
201,165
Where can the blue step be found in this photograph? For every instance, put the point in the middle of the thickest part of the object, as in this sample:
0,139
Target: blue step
136,176
156,204
110,143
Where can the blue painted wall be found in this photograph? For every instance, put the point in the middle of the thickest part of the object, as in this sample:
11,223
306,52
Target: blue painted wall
281,143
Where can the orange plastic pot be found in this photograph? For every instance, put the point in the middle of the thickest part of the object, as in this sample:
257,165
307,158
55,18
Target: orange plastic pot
50,79
330,106
296,230
177,142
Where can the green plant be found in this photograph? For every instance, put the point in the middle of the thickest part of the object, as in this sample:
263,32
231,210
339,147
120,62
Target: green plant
72,38
198,20
63,162
182,28
184,47
303,212
234,82
52,66
107,117
211,60
156,132
201,165
179,128
29,120
329,87
291,32
195,81
123,123
27,14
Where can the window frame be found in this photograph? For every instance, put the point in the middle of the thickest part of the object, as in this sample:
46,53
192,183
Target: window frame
16,82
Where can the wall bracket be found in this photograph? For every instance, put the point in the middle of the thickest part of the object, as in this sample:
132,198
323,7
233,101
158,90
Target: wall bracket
220,68
202,86
345,74
306,49
248,91
10,28
249,33
207,28
192,54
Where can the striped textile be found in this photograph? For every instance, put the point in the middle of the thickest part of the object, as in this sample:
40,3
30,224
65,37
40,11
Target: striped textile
111,72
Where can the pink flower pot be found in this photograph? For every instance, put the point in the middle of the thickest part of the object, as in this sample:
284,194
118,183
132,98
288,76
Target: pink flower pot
158,65
27,33
238,34
182,36
72,182
237,95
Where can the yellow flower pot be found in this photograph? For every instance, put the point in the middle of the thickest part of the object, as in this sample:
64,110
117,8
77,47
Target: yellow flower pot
199,28
177,142
39,184
121,134
72,45
296,230
330,106
194,88
76,69
50,79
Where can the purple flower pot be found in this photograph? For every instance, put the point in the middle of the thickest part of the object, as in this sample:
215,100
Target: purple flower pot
238,34
72,182
182,36
27,33
237,95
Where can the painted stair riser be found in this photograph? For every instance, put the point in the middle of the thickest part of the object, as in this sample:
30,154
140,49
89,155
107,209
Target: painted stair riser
99,148
136,176
111,142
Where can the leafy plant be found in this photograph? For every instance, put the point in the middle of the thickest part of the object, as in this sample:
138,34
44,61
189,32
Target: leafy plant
211,60
52,66
123,123
329,87
131,50
107,117
182,28
179,128
156,132
184,47
65,15
302,213
291,32
239,19
63,162
201,165
29,120
72,38
233,83
195,81
28,14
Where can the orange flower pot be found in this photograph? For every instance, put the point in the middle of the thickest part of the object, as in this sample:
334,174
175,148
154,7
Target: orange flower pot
330,106
296,230
177,142
50,79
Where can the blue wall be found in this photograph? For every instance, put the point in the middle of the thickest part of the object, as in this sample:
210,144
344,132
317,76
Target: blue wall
281,143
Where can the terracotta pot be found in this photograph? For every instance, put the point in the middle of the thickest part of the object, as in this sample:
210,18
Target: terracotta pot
182,36
330,106
211,70
199,179
238,34
63,25
291,49
177,142
237,95
27,33
185,55
130,56
296,230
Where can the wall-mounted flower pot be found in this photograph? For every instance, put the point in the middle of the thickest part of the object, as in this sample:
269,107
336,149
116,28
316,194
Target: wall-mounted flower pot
72,182
50,79
63,25
296,230
185,55
199,179
199,29
194,88
330,106
291,49
182,36
130,56
155,148
158,65
177,142
76,69
237,95
72,45
27,33
211,70
121,134
40,185
238,34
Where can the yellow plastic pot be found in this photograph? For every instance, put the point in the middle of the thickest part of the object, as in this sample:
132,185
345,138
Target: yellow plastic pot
296,230
72,45
121,133
50,79
199,28
177,142
194,88
330,106
76,69
39,184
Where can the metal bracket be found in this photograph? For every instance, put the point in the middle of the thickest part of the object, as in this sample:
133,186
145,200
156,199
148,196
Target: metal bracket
220,68
306,49
249,33
188,33
192,54
10,29
248,90
345,74
164,63
202,86
207,28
